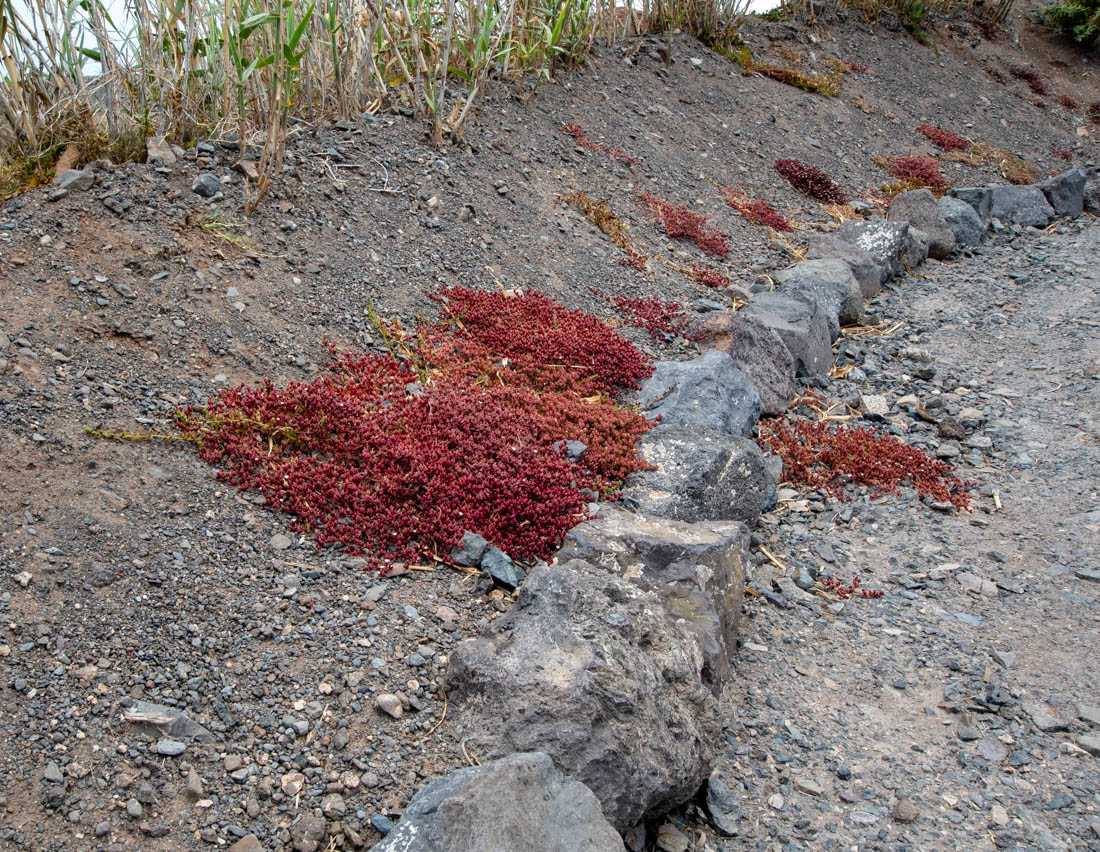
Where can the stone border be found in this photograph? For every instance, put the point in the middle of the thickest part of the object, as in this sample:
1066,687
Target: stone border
610,661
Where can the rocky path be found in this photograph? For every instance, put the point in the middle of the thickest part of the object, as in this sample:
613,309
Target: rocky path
962,709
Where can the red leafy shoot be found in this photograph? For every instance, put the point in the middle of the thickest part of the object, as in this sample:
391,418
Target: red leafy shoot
683,224
848,65
845,590
578,133
945,139
811,181
634,259
821,455
1094,112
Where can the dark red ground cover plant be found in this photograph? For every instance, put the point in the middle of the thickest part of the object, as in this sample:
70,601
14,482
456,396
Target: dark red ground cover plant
662,320
818,454
754,210
708,276
811,181
1030,76
1094,112
846,590
916,172
944,139
1068,102
683,224
581,137
458,428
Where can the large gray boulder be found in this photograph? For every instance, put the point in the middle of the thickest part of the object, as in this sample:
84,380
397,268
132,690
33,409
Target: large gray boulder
697,570
708,392
519,803
980,198
828,283
884,241
701,476
1021,205
1092,194
801,326
756,350
963,220
589,669
864,267
918,207
1065,192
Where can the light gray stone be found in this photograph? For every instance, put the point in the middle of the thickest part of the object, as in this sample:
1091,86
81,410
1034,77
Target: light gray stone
802,327
918,207
469,550
1092,195
828,283
980,199
963,220
501,568
917,243
698,571
75,180
1021,205
517,802
865,268
157,719
206,185
1045,717
1065,192
701,476
757,350
586,667
884,241
1090,743
158,150
708,392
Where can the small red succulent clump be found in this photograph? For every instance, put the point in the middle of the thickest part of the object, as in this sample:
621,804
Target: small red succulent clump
458,428
662,320
1068,102
634,259
945,139
683,224
708,276
1031,77
754,210
578,133
852,66
917,172
846,590
1094,112
818,454
811,181
1062,153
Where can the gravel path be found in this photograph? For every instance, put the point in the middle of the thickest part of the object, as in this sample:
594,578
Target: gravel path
960,711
